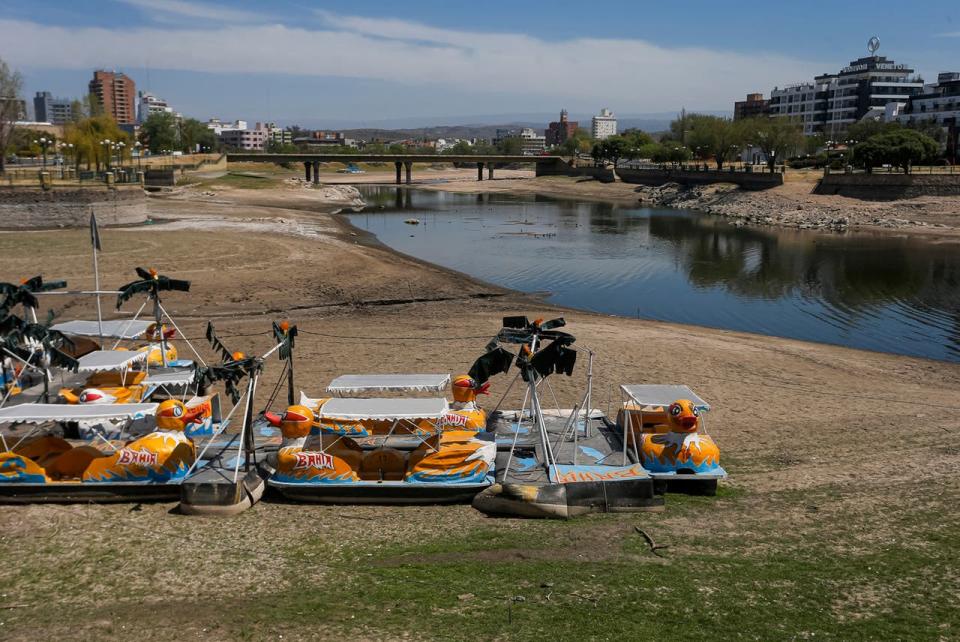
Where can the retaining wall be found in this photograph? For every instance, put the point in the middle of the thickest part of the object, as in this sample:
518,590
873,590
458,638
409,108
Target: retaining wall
656,177
889,187
24,208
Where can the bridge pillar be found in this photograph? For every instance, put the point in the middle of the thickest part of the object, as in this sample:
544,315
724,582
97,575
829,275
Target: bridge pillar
479,171
408,166
398,165
316,172
306,169
490,171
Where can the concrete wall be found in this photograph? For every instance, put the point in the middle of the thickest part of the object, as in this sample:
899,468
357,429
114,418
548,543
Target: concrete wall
656,177
888,187
24,208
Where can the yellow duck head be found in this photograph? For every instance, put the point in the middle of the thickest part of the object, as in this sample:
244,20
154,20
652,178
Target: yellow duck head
173,415
684,416
296,422
466,389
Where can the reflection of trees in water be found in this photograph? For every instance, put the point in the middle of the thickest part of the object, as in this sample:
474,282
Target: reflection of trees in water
849,273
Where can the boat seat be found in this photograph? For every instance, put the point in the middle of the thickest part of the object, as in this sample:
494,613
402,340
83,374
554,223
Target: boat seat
72,463
43,449
340,447
383,464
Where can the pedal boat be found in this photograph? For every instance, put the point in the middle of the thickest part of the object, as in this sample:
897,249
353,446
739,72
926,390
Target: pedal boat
664,430
555,463
402,457
48,468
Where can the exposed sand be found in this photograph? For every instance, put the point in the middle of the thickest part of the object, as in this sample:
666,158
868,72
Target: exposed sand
857,433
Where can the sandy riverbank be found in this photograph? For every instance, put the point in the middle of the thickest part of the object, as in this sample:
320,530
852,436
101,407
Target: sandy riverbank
838,459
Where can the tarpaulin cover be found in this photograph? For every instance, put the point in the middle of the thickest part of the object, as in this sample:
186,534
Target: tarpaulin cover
355,383
169,377
36,413
99,360
662,395
115,329
360,409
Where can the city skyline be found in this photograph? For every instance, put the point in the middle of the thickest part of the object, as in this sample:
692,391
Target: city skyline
297,64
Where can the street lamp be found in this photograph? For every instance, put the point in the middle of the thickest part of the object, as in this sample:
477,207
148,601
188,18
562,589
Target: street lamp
137,145
119,148
43,142
106,142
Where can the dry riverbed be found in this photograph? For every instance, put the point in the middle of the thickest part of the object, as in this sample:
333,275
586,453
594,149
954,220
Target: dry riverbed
838,521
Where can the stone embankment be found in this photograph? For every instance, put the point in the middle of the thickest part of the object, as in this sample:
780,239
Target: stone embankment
23,208
794,206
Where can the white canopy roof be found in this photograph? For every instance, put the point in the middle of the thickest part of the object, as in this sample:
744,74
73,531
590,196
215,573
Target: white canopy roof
662,395
379,408
36,413
99,360
356,383
115,328
169,377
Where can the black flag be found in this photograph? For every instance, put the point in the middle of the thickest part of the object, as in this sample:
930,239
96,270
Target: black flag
94,232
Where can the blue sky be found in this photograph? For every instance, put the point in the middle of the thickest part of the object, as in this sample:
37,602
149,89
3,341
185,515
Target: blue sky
354,63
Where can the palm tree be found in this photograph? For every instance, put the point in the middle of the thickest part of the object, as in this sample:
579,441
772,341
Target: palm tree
152,283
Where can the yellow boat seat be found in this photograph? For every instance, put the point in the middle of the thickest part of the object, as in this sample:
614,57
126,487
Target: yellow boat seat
386,464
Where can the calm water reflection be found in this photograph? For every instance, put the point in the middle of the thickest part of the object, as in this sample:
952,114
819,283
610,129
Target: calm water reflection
887,294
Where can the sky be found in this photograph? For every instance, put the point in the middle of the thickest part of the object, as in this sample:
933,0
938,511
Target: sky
374,63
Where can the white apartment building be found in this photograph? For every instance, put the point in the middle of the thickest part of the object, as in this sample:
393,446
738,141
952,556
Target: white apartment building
148,104
603,125
939,102
833,102
532,143
219,126
247,139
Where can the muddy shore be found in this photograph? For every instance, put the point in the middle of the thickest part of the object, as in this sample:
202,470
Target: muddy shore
823,444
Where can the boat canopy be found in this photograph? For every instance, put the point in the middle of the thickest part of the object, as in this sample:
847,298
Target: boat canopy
662,395
100,360
358,383
38,413
114,329
169,377
379,408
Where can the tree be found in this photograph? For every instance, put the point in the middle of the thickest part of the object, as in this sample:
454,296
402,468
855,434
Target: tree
578,143
510,146
714,137
159,131
777,137
898,147
613,149
87,136
194,134
460,148
672,152
11,83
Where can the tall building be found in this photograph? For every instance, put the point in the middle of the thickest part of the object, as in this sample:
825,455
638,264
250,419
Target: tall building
531,144
116,94
148,104
604,125
938,103
48,109
558,132
279,135
833,102
755,105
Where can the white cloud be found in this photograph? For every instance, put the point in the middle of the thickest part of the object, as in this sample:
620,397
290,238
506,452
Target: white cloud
629,75
184,9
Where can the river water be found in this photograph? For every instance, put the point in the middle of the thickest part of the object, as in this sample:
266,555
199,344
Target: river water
880,293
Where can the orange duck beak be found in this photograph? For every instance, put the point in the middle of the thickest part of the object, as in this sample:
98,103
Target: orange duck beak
192,415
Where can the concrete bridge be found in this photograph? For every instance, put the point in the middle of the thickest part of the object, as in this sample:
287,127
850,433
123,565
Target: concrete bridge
544,164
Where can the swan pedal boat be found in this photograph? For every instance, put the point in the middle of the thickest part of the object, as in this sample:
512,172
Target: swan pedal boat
380,450
663,428
43,466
